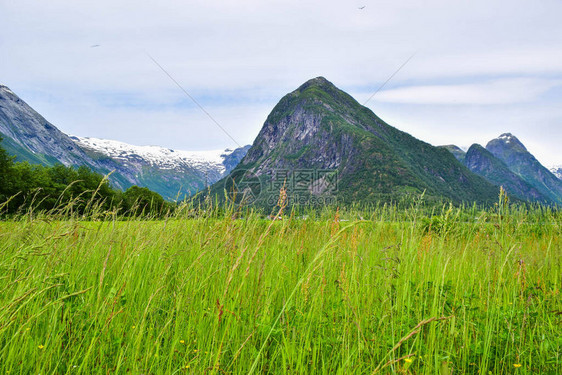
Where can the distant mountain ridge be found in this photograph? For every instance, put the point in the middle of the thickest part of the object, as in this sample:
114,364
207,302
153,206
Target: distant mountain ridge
514,154
30,137
318,127
484,163
458,152
163,170
506,162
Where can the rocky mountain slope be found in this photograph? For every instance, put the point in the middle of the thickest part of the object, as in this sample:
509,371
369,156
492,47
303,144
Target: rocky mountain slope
29,137
318,129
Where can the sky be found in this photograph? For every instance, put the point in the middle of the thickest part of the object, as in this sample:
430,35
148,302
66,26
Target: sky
479,68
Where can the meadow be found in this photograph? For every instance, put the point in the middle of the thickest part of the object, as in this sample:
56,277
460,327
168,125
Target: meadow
386,290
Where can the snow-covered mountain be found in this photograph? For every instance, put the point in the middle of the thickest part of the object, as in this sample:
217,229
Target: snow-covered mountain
163,170
156,156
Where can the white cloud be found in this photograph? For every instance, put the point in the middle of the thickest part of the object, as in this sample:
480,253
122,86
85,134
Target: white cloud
501,91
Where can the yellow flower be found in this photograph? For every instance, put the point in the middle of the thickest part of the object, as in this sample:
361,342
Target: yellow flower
182,342
517,365
408,360
186,366
41,346
134,327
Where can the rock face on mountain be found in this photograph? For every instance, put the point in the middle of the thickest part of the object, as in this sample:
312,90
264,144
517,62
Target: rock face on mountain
318,129
29,137
520,161
482,162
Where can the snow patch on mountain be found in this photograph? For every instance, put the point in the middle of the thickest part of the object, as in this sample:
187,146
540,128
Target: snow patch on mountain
6,89
507,137
557,171
156,156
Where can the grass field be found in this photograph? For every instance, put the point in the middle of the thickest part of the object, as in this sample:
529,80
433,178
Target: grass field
468,291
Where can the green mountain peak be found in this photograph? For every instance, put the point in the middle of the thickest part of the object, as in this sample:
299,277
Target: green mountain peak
319,127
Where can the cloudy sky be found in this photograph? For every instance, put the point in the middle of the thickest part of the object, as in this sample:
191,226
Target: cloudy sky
481,67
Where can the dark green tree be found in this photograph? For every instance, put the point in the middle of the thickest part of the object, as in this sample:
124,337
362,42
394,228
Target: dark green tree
143,201
6,174
70,189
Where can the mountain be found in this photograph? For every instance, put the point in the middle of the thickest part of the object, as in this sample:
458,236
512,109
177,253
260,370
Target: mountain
557,171
483,163
457,152
30,137
163,170
520,161
318,141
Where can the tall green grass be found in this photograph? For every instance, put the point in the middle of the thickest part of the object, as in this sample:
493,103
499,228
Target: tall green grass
221,290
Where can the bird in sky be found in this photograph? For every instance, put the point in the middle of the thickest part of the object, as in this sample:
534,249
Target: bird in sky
94,46
361,8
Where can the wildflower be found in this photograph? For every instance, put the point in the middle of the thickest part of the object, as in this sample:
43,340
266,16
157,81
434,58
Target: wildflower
517,365
182,342
186,366
408,360
41,346
134,327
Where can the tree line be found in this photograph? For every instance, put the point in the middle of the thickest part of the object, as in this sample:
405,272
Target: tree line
25,187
